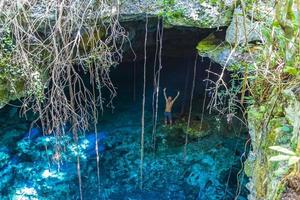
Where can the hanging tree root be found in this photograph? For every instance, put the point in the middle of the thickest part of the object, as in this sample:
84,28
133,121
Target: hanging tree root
54,42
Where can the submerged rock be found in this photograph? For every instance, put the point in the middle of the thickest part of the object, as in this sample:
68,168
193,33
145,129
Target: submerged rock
25,193
198,130
175,134
33,133
6,173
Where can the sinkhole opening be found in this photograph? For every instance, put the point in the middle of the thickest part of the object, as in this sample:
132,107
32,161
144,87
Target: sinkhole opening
209,165
215,151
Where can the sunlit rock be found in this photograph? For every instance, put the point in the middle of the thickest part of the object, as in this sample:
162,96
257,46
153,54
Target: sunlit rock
192,13
242,29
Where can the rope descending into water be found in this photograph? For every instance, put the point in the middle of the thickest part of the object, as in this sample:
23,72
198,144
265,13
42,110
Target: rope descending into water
160,32
143,106
134,81
154,84
191,106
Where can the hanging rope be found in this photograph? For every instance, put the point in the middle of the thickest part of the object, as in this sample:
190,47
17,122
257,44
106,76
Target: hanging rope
134,81
134,72
191,106
154,82
157,75
143,107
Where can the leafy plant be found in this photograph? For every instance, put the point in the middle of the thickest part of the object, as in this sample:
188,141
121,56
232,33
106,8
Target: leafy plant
286,155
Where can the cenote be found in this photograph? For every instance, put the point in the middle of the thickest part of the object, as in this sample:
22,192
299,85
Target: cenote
149,100
208,166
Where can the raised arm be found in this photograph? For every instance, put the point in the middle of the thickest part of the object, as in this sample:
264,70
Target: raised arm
165,94
178,93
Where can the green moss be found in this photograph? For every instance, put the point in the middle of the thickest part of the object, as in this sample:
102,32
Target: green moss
210,43
89,40
3,94
168,2
260,171
20,86
175,135
279,191
248,168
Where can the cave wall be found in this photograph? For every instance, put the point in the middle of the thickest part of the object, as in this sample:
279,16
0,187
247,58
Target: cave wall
187,13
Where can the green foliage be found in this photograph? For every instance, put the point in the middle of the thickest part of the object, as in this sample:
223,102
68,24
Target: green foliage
213,2
170,13
291,70
175,13
11,81
286,155
277,71
168,2
14,81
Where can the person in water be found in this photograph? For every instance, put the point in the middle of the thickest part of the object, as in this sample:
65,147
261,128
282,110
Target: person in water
169,104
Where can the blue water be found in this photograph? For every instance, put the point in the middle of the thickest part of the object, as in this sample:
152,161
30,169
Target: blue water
31,167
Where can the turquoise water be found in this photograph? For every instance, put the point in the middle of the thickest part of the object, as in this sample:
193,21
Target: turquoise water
29,167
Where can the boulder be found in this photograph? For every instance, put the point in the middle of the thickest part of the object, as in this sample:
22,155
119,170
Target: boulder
243,30
224,54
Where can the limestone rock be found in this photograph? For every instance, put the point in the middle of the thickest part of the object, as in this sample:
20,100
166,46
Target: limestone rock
225,54
215,49
191,13
243,30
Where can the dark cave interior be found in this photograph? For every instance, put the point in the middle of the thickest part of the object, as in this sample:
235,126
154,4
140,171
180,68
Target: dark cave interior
178,57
